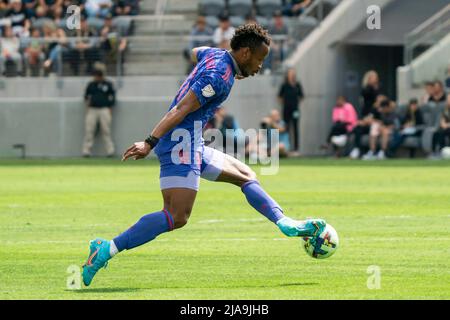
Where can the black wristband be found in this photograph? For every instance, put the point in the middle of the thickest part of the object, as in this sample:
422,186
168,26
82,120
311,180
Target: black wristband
152,141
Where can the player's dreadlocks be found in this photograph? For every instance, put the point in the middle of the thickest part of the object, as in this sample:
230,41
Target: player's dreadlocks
250,35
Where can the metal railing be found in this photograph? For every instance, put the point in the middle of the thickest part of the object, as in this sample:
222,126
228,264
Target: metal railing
60,57
427,34
311,17
317,9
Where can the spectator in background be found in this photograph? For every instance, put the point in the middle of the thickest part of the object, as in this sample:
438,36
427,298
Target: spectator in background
85,48
4,7
113,42
223,33
30,7
100,97
369,93
227,125
201,35
4,21
98,8
41,18
34,52
274,122
56,45
278,47
382,126
20,19
443,132
50,6
290,96
10,46
294,8
438,94
344,119
429,90
412,125
125,8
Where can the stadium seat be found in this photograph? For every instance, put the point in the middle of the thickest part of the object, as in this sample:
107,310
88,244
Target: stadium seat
211,7
212,21
237,21
308,21
266,8
265,22
240,7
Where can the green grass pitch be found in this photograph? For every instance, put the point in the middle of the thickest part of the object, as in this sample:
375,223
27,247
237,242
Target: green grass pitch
393,214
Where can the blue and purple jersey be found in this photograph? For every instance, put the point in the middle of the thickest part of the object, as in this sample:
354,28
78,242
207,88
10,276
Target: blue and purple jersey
211,81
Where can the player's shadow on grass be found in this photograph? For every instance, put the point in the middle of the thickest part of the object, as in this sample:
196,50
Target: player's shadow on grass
105,290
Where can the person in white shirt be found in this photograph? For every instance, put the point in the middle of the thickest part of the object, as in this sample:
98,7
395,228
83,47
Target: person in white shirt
9,49
98,8
223,33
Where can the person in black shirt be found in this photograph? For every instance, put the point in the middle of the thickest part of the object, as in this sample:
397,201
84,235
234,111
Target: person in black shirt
384,121
438,92
443,132
369,93
412,125
20,19
100,97
290,96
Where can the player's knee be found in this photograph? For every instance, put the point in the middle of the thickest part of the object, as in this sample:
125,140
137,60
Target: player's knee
180,217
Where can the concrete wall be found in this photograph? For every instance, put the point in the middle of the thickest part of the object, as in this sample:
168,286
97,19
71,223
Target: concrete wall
318,61
50,121
430,65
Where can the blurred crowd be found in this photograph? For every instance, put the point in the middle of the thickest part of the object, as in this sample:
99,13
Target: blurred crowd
203,35
217,30
376,129
37,36
381,127
283,119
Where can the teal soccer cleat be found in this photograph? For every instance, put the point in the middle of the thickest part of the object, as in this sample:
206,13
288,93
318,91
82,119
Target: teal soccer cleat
98,258
307,228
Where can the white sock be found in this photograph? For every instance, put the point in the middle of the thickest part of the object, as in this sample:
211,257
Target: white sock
112,249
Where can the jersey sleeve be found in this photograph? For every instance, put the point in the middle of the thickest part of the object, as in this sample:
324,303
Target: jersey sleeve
201,53
208,87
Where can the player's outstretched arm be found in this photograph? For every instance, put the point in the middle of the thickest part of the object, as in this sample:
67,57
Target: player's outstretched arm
188,104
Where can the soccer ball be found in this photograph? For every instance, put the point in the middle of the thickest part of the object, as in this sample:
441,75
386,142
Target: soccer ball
445,153
322,246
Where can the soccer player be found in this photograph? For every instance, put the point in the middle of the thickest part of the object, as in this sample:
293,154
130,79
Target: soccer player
206,87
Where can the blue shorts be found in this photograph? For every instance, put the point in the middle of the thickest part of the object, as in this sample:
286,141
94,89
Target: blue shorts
207,164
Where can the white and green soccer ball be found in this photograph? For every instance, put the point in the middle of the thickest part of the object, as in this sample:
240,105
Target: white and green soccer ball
322,246
445,153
